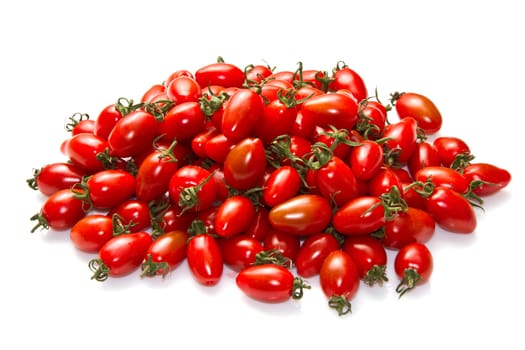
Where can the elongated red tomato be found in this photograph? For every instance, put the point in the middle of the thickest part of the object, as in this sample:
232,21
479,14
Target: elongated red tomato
422,109
165,253
240,252
425,154
366,159
493,177
449,148
83,151
91,232
339,279
312,253
241,115
234,216
133,214
360,216
443,176
337,182
204,259
192,187
401,140
56,176
60,211
182,122
347,78
245,164
120,256
269,283
109,188
219,73
282,184
412,225
413,265
331,109
451,210
183,89
133,134
369,256
304,214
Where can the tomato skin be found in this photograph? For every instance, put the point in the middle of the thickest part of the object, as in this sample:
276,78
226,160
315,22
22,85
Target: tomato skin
205,260
132,134
220,73
241,115
331,109
402,138
245,164
451,211
443,176
349,79
183,89
383,181
82,150
366,159
497,177
133,214
154,175
448,147
304,214
282,184
373,119
260,225
123,254
425,154
91,232
336,180
182,122
106,120
267,283
234,216
172,219
366,252
169,248
109,188
312,253
153,92
239,252
277,119
257,73
356,218
422,109
218,147
339,275
60,211
193,177
286,243
414,225
413,257
57,176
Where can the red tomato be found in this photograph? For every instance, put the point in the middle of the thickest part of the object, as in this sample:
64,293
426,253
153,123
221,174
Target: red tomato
277,119
336,181
339,279
83,149
218,147
421,108
260,225
383,181
183,89
424,154
451,210
154,91
239,252
199,141
443,176
282,184
312,253
133,214
205,260
304,214
366,159
361,216
120,256
372,119
106,121
285,243
182,122
234,216
245,164
331,109
413,264
60,211
413,225
219,73
242,114
133,134
347,78
337,140
91,232
56,176
165,253
178,73
172,218
257,74
494,178
449,147
192,187
401,140
369,256
109,188
270,283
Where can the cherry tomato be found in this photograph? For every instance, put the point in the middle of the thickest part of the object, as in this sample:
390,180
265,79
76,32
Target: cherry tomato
312,253
383,181
270,283
56,176
413,265
360,216
278,119
154,91
412,225
494,178
366,159
183,89
347,78
218,147
337,182
171,218
91,232
282,184
240,252
133,134
260,225
451,210
450,147
242,114
372,119
256,74
443,176
422,109
204,259
424,154
106,120
219,73
120,256
192,187
133,214
165,253
401,140
285,243
60,211
108,188
304,214
234,216
331,109
245,164
182,122
83,151
339,279
369,256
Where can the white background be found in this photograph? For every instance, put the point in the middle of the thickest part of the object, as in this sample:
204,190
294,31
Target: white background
59,58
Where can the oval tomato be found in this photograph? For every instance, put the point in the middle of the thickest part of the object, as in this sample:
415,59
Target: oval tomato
286,244
165,253
234,216
240,252
425,154
245,164
451,210
413,264
106,121
183,89
369,256
421,108
331,109
91,232
133,134
108,188
83,151
133,214
204,259
56,176
493,177
192,187
401,140
360,216
336,181
366,159
219,73
182,122
241,115
412,225
449,148
312,253
282,184
346,78
443,176
60,211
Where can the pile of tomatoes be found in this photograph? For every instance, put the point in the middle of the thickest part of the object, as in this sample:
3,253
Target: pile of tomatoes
277,175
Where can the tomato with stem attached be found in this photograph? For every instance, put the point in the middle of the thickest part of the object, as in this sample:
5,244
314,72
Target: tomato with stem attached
205,259
165,253
413,265
312,252
370,257
419,107
55,176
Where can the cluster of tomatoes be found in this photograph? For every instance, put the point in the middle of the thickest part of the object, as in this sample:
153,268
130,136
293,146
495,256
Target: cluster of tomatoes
277,175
